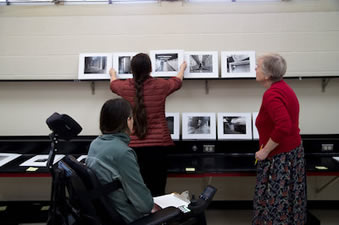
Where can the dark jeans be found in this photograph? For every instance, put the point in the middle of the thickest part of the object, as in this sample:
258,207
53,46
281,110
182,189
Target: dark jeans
153,167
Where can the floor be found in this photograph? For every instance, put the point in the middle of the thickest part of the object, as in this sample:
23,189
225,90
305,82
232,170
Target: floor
243,217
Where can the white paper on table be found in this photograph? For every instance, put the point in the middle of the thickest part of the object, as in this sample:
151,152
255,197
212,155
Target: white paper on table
7,157
40,160
172,199
336,158
82,157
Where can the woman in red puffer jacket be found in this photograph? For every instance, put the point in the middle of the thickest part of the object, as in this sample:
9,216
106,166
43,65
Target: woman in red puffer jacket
151,138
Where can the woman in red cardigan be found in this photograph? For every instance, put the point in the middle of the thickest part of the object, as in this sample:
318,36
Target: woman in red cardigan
280,193
151,138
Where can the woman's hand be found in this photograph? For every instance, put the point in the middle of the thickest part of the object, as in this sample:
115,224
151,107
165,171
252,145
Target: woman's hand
182,70
113,74
261,154
183,66
155,208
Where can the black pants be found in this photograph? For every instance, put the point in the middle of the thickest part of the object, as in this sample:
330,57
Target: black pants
153,167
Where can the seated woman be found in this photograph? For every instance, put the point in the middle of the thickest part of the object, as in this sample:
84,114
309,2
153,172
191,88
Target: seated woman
109,157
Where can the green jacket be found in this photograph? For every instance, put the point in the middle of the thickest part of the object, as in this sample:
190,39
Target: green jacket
110,158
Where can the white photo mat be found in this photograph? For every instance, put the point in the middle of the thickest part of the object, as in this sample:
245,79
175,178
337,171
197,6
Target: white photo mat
173,123
200,126
234,126
166,63
40,160
7,157
95,66
122,64
254,127
202,64
235,64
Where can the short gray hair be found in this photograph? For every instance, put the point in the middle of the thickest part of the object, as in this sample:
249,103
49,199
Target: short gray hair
273,66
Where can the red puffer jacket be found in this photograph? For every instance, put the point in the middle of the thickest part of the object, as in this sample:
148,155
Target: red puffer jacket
155,92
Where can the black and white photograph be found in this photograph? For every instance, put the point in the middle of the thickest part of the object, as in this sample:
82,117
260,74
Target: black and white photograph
234,126
254,127
238,64
198,126
173,125
201,64
94,66
7,157
122,64
170,124
40,160
166,63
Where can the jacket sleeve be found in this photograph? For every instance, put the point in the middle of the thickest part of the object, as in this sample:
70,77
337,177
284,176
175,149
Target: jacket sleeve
133,184
117,86
277,110
174,84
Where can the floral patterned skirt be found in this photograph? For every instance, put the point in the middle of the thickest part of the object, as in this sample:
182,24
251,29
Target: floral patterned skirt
280,192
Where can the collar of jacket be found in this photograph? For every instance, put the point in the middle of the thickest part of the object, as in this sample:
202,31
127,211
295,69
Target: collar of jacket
122,136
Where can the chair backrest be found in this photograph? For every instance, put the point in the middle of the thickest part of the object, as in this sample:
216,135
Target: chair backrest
87,195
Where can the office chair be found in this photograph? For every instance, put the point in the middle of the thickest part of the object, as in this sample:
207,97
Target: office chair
78,198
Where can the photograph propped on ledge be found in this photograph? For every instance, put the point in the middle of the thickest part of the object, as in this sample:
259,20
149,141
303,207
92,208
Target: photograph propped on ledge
94,66
234,126
200,126
122,64
254,127
40,160
7,157
173,125
201,64
166,63
238,64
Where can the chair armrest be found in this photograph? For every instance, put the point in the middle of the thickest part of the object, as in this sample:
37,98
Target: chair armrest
159,217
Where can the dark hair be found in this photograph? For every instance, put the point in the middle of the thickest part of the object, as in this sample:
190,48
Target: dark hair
113,116
141,68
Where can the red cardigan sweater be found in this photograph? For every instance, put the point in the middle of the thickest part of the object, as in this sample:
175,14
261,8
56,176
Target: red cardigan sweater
278,118
155,92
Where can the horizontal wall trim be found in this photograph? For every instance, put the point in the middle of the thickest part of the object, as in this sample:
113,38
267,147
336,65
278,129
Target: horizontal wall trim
169,8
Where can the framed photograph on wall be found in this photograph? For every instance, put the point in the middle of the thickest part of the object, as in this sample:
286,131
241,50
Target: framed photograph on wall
7,157
40,160
94,66
166,63
234,126
200,126
238,64
173,125
201,64
122,64
254,127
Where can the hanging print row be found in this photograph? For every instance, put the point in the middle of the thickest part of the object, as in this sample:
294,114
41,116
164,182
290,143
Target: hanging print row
166,63
206,126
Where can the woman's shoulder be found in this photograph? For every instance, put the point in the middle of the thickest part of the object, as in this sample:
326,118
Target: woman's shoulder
159,82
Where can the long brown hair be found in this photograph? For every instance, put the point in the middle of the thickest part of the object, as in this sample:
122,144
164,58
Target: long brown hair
141,68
